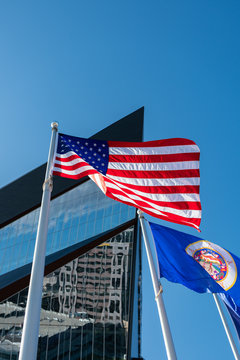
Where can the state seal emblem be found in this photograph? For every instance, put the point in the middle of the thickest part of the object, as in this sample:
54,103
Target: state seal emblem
216,261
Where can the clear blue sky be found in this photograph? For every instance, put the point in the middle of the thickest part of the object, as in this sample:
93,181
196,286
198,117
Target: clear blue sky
86,64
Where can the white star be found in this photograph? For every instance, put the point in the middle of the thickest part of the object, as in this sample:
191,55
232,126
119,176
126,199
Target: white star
86,143
94,144
103,145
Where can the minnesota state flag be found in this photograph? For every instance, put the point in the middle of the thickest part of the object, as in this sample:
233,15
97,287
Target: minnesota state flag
200,265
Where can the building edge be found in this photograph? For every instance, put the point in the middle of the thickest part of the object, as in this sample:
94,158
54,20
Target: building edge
24,194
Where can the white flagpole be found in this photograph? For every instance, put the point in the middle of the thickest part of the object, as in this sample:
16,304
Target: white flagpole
167,336
226,327
29,342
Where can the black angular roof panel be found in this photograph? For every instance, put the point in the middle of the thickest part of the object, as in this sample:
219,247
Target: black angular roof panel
24,194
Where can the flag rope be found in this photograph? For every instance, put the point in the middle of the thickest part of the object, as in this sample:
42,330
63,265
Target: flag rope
159,292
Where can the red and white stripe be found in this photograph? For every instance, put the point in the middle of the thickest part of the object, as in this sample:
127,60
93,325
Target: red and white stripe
70,165
159,177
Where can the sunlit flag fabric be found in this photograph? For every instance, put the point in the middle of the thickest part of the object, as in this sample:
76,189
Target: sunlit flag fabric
159,177
200,265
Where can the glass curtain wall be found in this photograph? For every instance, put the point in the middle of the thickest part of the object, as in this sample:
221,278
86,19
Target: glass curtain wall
77,215
85,307
85,303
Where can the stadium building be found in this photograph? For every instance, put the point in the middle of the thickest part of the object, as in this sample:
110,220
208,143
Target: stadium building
91,299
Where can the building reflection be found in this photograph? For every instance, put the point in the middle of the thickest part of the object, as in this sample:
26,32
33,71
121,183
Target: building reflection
85,307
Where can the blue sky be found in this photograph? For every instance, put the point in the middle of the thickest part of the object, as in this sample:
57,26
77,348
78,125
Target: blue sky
86,64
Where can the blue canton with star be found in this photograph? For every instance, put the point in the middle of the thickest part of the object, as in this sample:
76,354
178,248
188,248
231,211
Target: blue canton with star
94,152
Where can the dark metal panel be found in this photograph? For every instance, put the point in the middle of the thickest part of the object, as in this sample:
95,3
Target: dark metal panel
24,194
129,128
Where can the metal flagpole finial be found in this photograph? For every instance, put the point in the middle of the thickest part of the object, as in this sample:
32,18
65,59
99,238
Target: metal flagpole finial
140,214
54,125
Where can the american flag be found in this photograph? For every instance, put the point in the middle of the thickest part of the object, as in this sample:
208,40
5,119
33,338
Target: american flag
161,177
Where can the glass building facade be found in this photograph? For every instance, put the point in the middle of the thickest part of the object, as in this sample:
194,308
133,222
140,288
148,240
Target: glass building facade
86,303
91,298
77,215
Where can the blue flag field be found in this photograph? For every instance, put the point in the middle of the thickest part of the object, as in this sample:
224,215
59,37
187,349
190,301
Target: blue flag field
200,265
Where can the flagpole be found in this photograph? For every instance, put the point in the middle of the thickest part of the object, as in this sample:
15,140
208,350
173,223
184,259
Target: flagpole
226,327
167,336
29,341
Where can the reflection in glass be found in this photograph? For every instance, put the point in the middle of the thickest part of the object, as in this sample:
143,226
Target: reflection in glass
85,307
77,215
